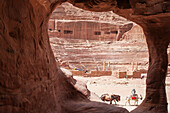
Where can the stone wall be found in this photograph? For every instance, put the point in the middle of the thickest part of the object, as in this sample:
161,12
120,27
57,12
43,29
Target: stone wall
87,29
135,74
92,73
101,73
122,75
68,21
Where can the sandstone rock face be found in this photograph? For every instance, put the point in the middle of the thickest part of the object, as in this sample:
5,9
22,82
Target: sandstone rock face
68,21
79,85
29,79
88,29
67,11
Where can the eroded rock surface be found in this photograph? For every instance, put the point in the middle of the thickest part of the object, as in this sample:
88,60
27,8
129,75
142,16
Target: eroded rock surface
78,84
29,79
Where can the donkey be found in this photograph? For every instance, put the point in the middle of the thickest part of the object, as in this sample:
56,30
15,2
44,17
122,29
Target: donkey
108,97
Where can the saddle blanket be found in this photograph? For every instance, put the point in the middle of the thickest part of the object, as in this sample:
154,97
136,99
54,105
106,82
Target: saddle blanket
133,97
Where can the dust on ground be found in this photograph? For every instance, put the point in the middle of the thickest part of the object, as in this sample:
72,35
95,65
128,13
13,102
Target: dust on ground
122,87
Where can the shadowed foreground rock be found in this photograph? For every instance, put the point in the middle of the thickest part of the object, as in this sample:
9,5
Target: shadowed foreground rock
29,79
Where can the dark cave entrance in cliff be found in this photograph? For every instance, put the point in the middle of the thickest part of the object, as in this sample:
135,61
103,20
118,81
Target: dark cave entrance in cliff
90,47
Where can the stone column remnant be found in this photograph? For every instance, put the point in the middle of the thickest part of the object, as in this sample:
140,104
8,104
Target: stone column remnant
104,65
109,65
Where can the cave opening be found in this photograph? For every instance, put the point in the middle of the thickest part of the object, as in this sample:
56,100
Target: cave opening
102,49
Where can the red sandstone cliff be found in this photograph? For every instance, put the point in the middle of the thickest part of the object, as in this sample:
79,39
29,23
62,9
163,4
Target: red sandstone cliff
68,21
67,11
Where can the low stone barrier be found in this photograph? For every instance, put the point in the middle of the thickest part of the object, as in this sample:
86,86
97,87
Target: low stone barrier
92,74
136,74
122,75
101,73
78,73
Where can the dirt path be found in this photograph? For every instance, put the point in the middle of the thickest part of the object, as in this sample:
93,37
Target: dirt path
122,87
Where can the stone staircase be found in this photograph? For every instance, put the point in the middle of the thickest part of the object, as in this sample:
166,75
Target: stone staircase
92,54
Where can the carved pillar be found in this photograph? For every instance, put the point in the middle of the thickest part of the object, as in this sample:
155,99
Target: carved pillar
132,67
136,69
104,65
109,65
117,35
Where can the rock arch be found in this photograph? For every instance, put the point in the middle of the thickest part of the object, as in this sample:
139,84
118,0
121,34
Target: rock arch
29,79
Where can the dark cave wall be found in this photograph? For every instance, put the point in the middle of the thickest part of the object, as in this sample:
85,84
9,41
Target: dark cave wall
27,66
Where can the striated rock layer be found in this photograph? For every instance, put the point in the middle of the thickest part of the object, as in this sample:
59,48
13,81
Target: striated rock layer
90,55
68,21
67,11
29,79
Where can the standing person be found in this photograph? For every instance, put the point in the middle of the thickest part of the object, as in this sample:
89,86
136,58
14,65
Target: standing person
133,92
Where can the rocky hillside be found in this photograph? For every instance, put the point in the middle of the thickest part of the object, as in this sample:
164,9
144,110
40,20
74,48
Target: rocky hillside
67,11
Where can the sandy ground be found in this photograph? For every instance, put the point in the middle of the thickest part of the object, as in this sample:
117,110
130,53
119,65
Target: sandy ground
122,87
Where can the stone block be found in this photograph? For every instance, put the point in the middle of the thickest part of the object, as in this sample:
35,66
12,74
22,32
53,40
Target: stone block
101,73
122,75
78,73
136,74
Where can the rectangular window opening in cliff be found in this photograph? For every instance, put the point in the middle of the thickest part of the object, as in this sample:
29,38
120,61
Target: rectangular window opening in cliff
97,33
106,32
68,32
114,32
